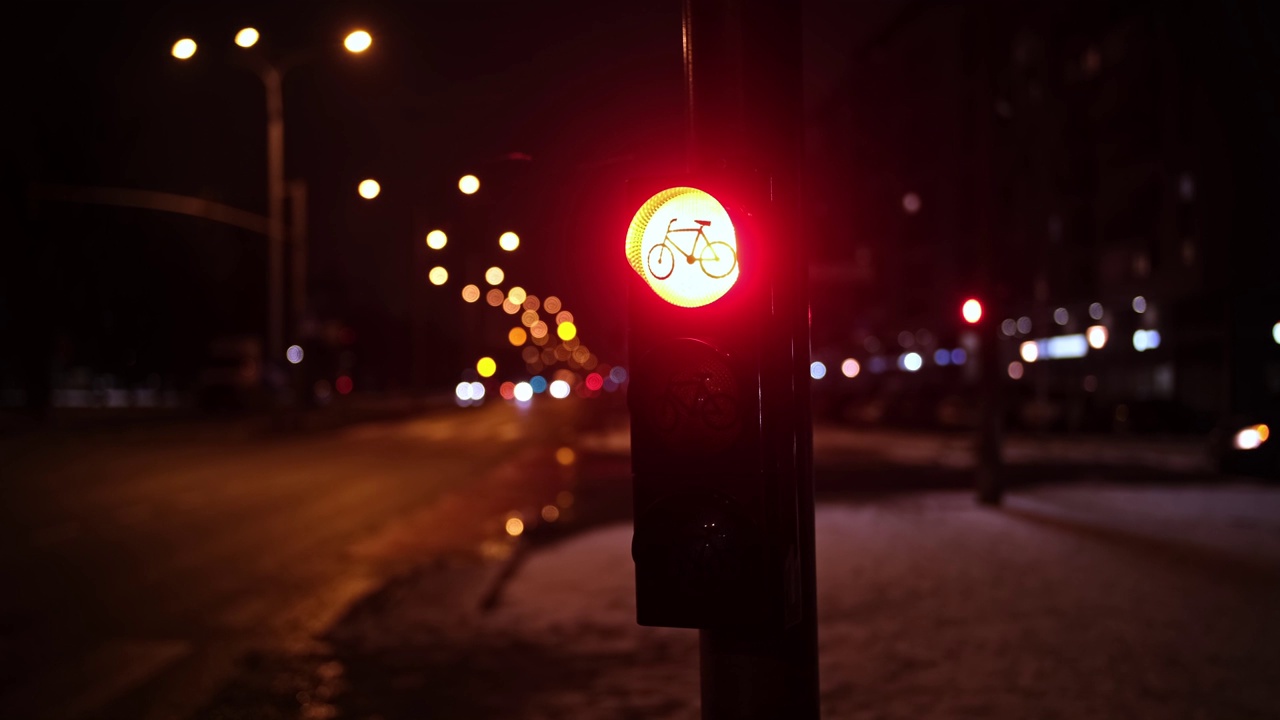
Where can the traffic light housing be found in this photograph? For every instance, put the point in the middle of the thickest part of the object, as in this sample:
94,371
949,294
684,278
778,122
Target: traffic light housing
711,399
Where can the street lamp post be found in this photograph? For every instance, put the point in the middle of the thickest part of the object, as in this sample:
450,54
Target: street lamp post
272,77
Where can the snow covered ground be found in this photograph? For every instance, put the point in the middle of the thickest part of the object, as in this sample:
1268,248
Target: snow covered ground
1073,601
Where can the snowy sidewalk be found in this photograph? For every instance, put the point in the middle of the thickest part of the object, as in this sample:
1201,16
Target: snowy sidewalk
1081,601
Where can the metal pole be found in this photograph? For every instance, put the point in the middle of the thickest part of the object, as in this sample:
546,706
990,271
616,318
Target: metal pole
271,79
742,72
298,236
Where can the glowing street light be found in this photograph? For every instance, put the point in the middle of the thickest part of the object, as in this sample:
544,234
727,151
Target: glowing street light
358,41
469,184
494,275
971,311
509,241
438,275
247,37
436,239
369,189
184,48
486,367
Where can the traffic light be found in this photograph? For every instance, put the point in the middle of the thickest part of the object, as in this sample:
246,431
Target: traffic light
712,407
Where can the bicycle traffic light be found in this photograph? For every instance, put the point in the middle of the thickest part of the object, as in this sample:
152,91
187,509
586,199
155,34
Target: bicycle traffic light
715,541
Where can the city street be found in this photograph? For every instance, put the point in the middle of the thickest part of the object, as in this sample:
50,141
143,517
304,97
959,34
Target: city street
145,552
365,571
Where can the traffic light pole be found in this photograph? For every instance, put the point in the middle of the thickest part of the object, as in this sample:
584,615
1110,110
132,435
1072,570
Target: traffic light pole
742,62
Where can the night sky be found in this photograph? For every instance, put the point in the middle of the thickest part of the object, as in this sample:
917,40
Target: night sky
544,102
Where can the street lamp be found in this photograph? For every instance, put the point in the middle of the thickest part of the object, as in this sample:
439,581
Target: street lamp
272,76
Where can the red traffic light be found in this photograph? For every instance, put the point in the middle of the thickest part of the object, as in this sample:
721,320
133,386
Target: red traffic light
971,311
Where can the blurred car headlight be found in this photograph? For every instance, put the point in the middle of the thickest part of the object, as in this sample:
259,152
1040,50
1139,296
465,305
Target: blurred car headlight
1251,437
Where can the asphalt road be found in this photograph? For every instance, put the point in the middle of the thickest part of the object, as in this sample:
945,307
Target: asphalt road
151,561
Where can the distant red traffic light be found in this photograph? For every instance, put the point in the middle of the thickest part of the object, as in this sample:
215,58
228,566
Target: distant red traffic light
971,311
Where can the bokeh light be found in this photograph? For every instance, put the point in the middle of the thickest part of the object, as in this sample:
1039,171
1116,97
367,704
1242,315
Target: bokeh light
343,385
567,330
494,275
528,318
911,203
1009,327
971,310
550,513
184,48
477,391
1029,351
509,307
523,392
850,368
486,367
559,389
912,362
551,304
517,295
563,316
468,184
508,241
1015,370
436,239
565,455
247,37
618,374
1024,324
517,337
358,41
507,390
538,383
1061,316
515,526
817,370
294,354
495,297
959,356
1139,304
1095,311
942,356
470,293
1097,336
532,303
594,381
369,188
1275,333
463,391
438,275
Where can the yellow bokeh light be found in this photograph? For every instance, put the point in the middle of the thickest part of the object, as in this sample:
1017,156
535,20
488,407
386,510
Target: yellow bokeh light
471,293
495,297
248,37
551,304
184,48
369,189
438,275
566,456
436,239
517,336
567,331
494,275
509,241
486,367
1263,431
517,295
468,184
515,526
683,243
358,41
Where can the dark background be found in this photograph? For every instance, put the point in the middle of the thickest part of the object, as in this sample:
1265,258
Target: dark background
1075,152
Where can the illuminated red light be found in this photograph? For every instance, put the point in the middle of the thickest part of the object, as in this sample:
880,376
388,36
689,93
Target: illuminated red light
683,243
507,390
971,311
594,382
343,384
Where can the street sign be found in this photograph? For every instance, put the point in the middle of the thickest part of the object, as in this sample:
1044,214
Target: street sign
683,243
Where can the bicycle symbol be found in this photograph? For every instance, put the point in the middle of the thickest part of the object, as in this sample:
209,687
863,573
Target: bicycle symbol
717,258
695,399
